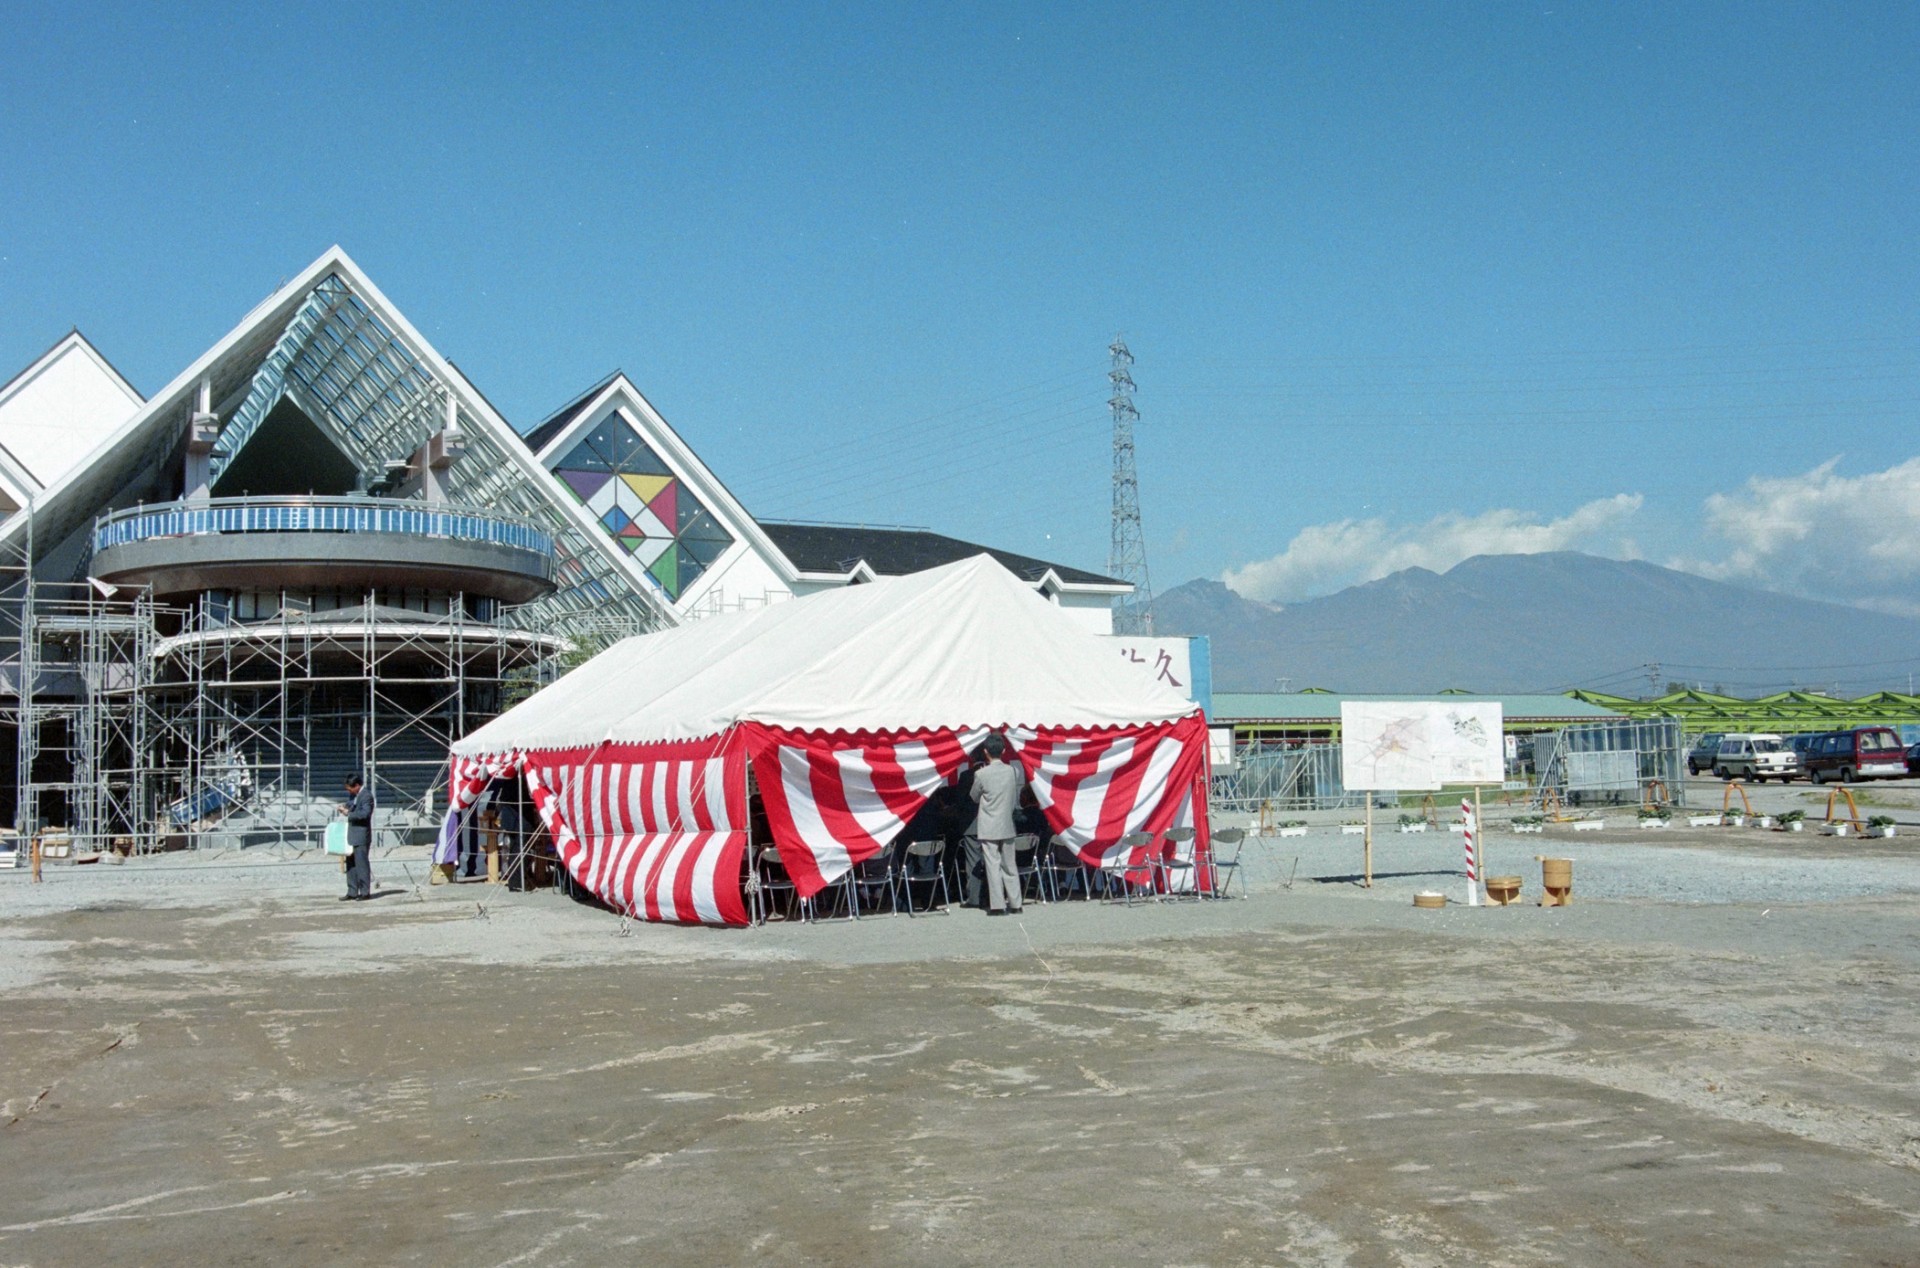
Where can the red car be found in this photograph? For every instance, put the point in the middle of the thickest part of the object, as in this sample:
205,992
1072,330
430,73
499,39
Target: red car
1866,752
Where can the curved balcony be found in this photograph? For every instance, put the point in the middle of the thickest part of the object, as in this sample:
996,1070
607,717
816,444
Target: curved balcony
270,542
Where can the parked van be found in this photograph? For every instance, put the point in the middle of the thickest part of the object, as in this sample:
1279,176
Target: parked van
1866,752
1700,756
1758,757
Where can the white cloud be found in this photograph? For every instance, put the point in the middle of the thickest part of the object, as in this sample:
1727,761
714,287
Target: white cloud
1329,557
1849,539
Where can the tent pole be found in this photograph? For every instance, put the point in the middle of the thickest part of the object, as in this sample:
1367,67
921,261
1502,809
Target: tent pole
758,911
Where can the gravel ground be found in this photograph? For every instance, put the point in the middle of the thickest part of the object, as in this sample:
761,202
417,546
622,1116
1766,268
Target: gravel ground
1711,1057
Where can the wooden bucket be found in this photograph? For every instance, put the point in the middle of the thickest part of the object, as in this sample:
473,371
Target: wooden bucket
1502,889
1556,877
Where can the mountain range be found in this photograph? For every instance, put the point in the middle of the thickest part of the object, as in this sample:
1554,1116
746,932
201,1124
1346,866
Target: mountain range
1543,622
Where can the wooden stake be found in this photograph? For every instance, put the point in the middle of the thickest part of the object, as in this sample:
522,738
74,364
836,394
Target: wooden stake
490,842
1479,840
1368,882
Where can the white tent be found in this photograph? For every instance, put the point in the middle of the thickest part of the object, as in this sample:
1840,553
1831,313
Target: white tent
967,644
851,707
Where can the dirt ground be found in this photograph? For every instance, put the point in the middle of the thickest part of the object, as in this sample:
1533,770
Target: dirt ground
205,1072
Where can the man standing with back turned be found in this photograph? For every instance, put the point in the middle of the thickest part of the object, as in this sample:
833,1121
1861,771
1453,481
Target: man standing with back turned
359,813
996,787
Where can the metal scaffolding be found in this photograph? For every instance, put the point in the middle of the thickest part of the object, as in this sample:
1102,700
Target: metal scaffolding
141,727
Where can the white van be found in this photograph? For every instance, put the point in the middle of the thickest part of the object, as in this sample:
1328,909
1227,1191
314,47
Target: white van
1758,757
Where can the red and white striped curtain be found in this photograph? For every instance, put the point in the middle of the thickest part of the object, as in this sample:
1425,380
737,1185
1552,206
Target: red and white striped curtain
1097,786
835,800
467,778
658,831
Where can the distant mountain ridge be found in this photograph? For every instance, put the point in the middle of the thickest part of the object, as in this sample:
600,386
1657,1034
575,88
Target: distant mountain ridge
1544,622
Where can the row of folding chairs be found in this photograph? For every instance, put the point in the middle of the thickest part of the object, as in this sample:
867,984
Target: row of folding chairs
874,886
921,882
1175,871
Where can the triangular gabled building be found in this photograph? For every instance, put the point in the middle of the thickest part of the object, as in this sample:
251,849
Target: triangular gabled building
677,521
320,550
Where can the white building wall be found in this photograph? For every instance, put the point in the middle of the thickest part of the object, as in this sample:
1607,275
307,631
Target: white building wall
1093,611
62,408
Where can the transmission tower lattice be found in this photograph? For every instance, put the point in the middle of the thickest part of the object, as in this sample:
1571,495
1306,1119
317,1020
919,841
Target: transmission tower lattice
1127,557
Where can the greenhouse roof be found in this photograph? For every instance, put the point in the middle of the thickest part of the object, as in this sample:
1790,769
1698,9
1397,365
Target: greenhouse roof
1783,711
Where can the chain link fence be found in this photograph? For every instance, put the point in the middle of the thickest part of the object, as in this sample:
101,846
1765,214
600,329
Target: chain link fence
1588,763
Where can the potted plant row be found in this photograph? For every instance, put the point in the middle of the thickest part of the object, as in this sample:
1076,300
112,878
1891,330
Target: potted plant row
1793,821
1880,826
1412,823
1655,816
1529,823
1353,828
1293,827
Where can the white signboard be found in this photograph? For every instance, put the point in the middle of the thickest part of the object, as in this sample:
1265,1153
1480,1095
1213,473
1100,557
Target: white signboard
1418,745
1610,769
1220,749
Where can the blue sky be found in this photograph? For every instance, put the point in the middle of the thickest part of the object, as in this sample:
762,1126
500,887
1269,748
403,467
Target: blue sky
1404,283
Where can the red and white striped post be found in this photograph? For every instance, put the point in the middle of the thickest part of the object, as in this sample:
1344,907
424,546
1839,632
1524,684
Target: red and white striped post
1470,828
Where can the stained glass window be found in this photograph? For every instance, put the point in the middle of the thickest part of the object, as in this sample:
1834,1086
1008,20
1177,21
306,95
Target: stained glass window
642,504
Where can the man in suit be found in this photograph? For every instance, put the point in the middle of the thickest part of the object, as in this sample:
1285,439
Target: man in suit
359,812
996,790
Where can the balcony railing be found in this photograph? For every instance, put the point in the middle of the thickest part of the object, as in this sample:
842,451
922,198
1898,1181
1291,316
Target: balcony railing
317,515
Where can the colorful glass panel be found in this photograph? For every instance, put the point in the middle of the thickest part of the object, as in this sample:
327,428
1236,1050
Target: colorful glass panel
648,510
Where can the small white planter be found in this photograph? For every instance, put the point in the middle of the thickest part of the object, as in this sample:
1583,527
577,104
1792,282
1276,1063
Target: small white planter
1413,827
1457,828
1837,829
1703,821
1530,827
1764,821
1653,823
1589,825
1794,826
1735,821
1883,832
1299,831
1353,829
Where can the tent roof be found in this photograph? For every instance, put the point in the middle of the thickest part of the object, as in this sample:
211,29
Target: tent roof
967,644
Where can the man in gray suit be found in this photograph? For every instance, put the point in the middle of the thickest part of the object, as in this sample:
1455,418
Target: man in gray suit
996,789
359,812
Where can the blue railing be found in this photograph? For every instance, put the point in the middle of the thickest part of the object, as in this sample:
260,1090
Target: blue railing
317,515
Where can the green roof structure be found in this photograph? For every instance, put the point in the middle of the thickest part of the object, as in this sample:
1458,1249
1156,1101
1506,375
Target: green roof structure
1784,712
1317,711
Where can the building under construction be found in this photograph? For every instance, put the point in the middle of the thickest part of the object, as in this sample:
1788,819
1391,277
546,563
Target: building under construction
321,551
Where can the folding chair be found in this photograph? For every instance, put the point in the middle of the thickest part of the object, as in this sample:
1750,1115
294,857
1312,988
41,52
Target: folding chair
1114,870
838,900
869,880
1226,867
776,888
924,864
1032,885
1065,873
1175,874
